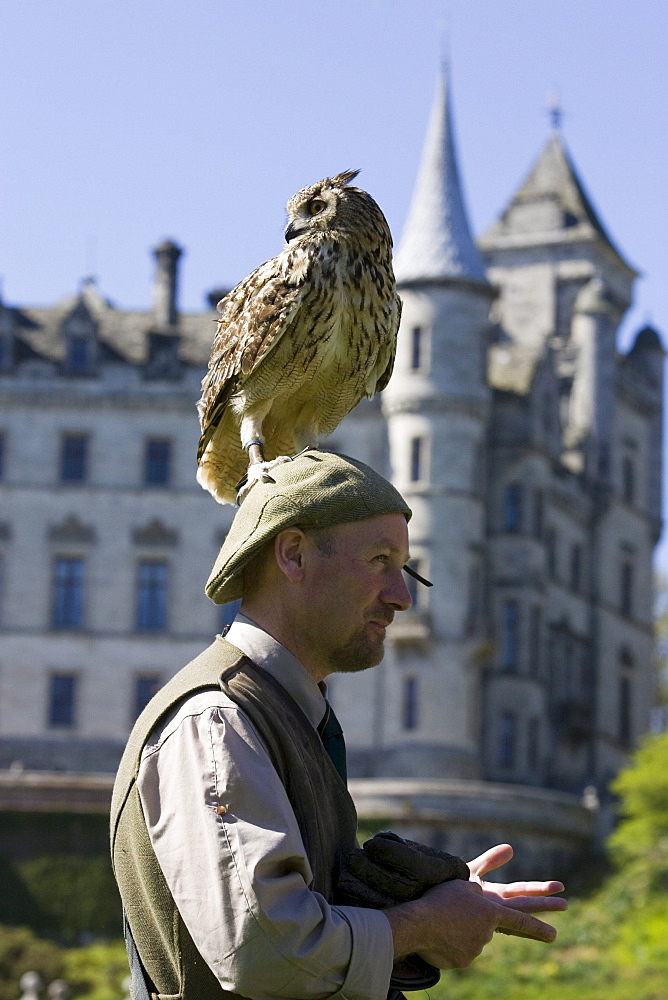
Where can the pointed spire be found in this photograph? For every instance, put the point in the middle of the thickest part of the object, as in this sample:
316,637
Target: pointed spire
436,242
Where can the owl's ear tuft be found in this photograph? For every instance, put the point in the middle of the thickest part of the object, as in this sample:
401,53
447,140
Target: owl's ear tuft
345,178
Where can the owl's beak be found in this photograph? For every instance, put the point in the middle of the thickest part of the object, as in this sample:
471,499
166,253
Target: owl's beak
291,231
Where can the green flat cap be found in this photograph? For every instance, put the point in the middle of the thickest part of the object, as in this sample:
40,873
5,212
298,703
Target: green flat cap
317,489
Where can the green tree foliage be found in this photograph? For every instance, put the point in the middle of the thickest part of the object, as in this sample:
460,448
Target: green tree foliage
642,834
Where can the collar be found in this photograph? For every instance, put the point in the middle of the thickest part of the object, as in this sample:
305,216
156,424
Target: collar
283,666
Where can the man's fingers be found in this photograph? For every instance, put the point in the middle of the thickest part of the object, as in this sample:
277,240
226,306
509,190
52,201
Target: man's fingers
524,888
491,859
536,904
515,922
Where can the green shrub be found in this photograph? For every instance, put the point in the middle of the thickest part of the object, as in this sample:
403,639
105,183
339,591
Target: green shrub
97,972
21,951
73,895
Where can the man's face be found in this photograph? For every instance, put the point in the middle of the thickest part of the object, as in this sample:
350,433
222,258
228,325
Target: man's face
353,593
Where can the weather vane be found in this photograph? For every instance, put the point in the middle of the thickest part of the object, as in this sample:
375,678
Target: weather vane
554,110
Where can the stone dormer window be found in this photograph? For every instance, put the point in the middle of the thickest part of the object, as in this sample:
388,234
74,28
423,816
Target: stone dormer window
163,359
80,336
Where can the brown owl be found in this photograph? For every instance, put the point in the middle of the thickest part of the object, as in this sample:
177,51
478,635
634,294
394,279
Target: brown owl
300,340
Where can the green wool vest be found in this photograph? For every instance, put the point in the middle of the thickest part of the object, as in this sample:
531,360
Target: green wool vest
323,809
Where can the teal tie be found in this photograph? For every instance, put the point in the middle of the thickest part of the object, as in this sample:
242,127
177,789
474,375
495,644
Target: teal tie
331,735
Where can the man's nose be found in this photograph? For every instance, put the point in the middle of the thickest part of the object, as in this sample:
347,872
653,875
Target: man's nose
397,593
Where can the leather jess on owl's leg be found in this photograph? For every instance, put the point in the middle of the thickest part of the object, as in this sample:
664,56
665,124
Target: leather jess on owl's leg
252,441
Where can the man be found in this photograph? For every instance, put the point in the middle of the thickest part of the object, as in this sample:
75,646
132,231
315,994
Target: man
230,817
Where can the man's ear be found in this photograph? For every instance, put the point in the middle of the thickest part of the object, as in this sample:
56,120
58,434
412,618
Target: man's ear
289,553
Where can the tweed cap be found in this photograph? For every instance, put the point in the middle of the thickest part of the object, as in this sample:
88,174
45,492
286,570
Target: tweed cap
317,489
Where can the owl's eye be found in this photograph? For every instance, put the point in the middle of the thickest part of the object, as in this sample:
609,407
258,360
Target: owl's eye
316,206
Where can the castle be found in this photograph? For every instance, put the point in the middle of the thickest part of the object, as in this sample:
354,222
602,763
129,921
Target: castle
527,446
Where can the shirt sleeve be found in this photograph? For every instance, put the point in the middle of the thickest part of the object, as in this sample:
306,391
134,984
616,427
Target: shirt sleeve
228,843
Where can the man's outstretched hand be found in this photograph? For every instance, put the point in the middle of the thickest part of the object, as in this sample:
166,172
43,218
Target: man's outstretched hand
451,924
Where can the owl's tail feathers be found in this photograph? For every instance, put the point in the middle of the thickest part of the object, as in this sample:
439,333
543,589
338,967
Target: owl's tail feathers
208,480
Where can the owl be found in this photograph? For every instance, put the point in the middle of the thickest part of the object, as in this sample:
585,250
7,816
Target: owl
301,340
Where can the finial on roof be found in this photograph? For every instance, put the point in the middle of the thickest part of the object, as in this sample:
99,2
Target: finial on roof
436,242
554,110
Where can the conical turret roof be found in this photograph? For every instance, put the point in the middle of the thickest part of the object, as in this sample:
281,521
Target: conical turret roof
551,205
436,242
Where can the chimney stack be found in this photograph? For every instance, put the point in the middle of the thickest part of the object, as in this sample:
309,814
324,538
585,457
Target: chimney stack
165,287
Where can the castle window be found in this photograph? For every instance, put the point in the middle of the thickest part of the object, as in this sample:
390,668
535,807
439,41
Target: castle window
625,729
418,348
626,588
62,700
417,471
74,458
512,508
67,596
551,552
146,685
507,739
576,567
533,742
79,355
157,461
409,708
152,583
510,635
474,599
535,640
628,480
3,451
538,513
228,612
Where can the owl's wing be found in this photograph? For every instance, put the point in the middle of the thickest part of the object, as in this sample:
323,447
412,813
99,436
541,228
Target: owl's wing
254,317
391,342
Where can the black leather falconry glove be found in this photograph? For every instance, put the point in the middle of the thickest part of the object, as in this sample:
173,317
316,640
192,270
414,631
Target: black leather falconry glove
390,870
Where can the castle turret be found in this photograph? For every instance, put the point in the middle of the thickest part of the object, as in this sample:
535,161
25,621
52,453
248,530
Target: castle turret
436,407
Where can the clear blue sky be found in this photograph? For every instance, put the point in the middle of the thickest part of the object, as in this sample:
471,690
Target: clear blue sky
126,121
